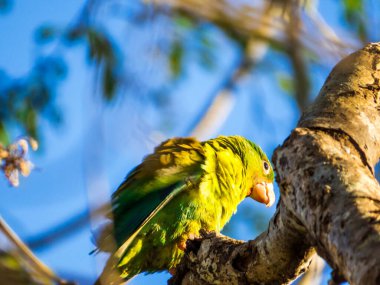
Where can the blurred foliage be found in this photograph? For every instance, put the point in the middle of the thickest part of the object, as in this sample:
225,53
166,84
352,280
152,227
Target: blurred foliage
24,100
102,52
5,6
356,19
16,270
12,271
18,265
176,58
192,41
191,28
45,34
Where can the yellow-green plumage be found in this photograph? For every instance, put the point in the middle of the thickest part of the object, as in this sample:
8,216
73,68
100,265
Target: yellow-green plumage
184,186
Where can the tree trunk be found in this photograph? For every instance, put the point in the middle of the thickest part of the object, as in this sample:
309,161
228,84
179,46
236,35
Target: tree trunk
330,199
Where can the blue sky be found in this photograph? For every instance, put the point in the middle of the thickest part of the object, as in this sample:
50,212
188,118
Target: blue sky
86,157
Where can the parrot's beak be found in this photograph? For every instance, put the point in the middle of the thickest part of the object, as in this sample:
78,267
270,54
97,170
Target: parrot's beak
263,193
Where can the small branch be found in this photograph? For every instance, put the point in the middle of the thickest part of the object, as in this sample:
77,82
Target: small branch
25,251
217,110
65,228
334,42
242,22
315,273
215,116
295,50
57,232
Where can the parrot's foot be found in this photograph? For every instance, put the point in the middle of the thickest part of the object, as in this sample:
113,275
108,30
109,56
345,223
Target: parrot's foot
192,236
182,244
172,271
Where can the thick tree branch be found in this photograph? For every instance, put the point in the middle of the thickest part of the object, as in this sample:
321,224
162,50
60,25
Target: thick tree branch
326,168
277,256
330,199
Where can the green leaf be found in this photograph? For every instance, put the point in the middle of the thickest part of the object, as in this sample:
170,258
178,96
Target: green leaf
75,35
27,116
206,41
4,137
5,6
184,22
176,58
103,53
354,15
31,123
207,59
99,46
286,83
206,51
353,6
44,34
109,82
362,31
15,270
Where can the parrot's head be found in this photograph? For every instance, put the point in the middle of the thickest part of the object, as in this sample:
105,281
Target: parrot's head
261,175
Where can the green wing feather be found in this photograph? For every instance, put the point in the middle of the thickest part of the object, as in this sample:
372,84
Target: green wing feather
152,184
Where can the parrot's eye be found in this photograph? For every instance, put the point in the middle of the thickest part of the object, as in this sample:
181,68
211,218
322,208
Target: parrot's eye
266,167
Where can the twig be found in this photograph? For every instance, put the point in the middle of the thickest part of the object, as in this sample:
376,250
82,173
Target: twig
38,265
328,33
294,50
95,179
67,227
241,22
314,274
214,114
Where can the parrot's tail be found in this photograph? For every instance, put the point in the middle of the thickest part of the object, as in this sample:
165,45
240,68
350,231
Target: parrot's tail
111,274
103,238
102,280
107,280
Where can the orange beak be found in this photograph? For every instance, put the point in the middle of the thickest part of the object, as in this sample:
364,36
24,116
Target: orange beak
263,193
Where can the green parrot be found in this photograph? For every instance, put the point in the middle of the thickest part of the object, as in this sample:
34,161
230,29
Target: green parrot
182,187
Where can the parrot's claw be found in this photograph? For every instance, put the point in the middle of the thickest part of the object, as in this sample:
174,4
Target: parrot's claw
182,245
172,271
192,236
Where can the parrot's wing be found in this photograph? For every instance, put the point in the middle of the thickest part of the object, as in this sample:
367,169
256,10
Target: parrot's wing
126,243
152,184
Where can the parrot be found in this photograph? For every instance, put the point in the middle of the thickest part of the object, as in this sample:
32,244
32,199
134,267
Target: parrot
183,187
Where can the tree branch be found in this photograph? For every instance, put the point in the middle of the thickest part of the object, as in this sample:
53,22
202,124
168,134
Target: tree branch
245,21
295,49
40,268
326,168
277,256
330,199
222,102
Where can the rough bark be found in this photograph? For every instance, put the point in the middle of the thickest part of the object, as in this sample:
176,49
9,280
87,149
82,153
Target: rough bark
330,199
